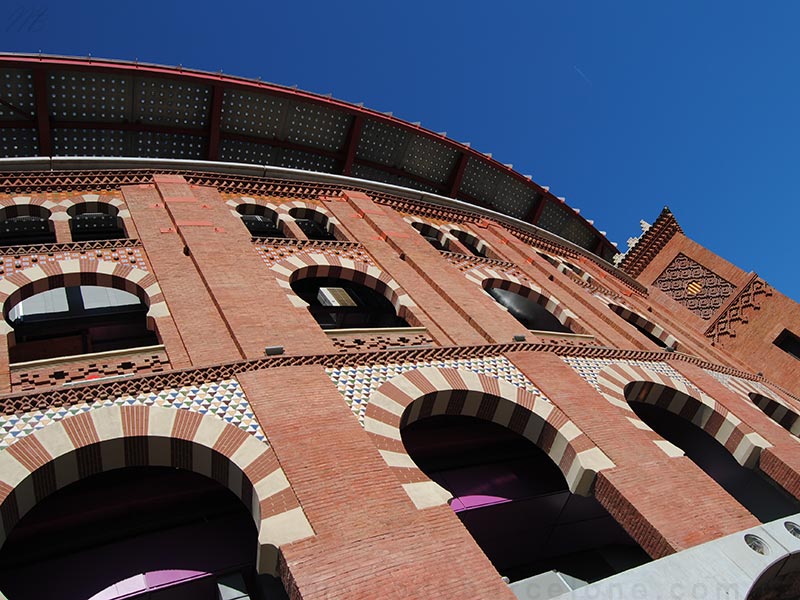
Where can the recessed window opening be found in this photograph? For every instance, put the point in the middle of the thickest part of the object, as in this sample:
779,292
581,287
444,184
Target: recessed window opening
515,502
147,532
340,304
472,243
750,487
26,224
643,326
528,311
260,221
431,234
95,221
789,343
778,584
78,320
313,224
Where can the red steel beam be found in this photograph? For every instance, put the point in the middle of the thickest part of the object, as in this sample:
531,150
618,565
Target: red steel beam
457,175
536,210
42,114
353,137
214,120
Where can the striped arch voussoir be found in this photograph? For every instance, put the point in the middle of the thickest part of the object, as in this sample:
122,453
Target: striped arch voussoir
431,391
115,437
655,330
623,383
66,273
306,265
489,278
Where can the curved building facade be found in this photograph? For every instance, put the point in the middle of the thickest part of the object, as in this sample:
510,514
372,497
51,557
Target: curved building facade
265,344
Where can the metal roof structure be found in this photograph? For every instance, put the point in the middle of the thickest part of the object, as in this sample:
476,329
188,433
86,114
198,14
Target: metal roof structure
63,106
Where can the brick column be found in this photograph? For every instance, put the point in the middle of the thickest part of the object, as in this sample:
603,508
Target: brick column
370,539
666,504
63,232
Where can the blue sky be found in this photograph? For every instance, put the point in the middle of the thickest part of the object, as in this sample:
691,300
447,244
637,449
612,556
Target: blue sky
621,107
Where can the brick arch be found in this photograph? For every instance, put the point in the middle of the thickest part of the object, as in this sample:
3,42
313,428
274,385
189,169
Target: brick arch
777,410
488,278
441,233
619,383
25,206
66,273
245,205
305,265
430,391
459,233
305,210
646,324
113,437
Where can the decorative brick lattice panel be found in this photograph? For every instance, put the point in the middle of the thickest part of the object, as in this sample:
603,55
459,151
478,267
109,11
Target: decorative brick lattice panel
356,383
126,254
588,368
376,341
223,399
699,289
59,374
740,309
273,251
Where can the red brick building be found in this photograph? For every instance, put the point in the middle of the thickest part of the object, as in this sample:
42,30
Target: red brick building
282,346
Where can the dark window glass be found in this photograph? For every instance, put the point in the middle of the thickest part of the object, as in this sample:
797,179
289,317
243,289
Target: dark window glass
528,312
788,342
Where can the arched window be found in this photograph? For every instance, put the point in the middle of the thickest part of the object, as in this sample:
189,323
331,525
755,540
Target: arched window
314,224
473,243
341,304
77,320
26,224
527,307
431,234
260,221
515,502
647,328
95,221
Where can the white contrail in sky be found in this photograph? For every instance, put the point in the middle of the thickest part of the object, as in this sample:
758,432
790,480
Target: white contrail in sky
582,74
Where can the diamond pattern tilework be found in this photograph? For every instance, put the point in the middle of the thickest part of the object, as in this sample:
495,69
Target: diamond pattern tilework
588,368
223,399
729,381
356,383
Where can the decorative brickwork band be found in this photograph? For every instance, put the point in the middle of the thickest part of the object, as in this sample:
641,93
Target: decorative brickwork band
636,319
301,266
739,310
650,243
622,383
430,391
114,437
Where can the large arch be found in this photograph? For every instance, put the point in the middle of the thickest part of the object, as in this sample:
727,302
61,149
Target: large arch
303,265
431,391
619,382
488,277
114,437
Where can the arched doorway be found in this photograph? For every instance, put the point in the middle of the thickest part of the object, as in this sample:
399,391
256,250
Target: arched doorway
138,532
516,502
679,422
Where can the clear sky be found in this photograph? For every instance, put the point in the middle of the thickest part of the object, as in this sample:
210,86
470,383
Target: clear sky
622,107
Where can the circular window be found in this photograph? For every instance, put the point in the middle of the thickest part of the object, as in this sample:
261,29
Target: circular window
756,544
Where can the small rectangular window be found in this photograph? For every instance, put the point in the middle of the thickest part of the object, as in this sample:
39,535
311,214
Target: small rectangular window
788,342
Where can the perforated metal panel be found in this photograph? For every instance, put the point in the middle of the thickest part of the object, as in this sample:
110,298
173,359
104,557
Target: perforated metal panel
429,159
247,152
553,218
297,159
16,88
253,114
365,172
318,127
90,142
561,221
169,102
89,97
480,179
513,197
382,143
18,142
166,145
580,234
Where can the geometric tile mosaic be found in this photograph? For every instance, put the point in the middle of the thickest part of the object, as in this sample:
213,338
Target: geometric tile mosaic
730,382
223,399
356,383
588,368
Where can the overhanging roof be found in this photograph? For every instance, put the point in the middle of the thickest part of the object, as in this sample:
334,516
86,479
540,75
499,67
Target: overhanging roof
62,106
